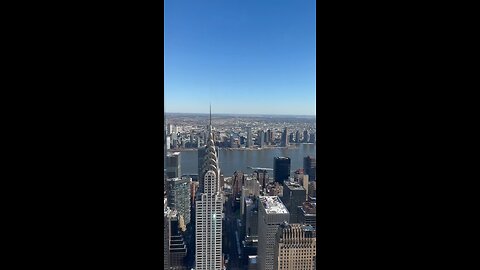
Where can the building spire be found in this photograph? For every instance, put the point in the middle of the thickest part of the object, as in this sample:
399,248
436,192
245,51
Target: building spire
210,114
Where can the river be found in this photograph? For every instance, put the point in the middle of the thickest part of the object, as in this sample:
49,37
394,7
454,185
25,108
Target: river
239,160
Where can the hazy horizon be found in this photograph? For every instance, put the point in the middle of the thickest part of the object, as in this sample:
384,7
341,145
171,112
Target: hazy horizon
246,114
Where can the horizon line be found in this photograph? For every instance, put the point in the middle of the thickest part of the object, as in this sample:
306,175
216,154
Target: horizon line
251,114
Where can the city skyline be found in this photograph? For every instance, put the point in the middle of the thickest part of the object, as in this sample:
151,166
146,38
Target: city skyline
245,57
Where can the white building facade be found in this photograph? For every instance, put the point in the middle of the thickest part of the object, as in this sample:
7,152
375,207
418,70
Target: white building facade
271,214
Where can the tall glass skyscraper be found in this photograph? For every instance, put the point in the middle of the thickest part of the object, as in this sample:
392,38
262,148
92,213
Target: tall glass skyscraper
178,192
173,165
281,169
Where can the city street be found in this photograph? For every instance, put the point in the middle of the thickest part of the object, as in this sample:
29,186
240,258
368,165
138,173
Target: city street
231,225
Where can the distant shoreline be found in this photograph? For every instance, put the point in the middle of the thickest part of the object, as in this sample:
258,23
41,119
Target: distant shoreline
242,149
242,115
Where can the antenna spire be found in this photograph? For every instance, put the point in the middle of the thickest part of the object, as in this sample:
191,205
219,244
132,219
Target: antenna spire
210,115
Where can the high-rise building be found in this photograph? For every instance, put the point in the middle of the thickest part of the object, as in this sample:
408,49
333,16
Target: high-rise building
191,138
295,247
193,192
297,136
312,190
166,235
168,142
293,195
208,214
269,138
237,184
271,213
232,141
284,141
310,167
262,177
251,217
313,137
178,194
281,169
304,183
261,137
298,176
174,165
177,247
291,138
249,137
306,137
308,213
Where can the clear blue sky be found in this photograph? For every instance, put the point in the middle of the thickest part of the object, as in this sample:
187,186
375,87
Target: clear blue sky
245,56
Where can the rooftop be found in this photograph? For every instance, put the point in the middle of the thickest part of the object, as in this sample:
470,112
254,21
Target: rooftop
178,179
273,205
171,154
309,207
294,186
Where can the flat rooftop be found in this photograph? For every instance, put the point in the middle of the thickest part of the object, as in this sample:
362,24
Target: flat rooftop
273,205
309,207
294,186
173,179
171,154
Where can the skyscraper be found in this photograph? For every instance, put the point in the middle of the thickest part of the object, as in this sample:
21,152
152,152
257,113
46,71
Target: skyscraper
308,213
178,193
208,214
312,190
295,247
269,136
249,137
271,213
313,137
284,141
281,169
168,142
177,247
297,136
166,235
306,138
310,167
250,219
261,137
191,138
293,196
173,165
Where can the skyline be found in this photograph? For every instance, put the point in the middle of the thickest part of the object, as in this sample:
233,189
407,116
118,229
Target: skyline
246,57
240,114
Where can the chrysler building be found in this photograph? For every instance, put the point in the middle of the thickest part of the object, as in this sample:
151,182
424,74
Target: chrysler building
208,215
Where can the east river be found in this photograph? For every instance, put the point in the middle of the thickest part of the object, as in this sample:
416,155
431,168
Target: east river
238,160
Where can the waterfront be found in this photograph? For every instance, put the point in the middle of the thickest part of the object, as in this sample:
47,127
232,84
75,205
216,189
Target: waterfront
238,160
